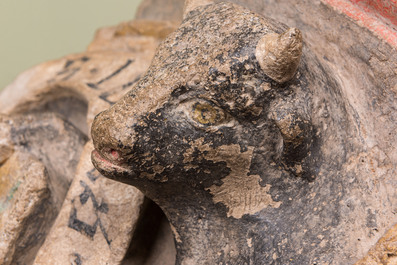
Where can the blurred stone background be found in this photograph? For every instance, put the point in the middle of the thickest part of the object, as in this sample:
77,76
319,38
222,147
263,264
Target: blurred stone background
37,31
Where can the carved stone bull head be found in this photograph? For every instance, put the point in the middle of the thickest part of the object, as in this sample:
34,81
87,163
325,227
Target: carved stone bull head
212,131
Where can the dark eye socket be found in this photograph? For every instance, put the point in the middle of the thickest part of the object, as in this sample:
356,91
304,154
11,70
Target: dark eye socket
206,113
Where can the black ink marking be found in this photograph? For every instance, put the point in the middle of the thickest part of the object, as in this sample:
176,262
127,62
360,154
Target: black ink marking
118,71
68,63
87,193
73,71
92,85
131,83
64,71
93,174
82,227
77,260
105,96
104,233
68,71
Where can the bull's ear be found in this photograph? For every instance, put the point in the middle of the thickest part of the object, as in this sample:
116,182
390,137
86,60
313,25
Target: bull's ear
279,54
192,4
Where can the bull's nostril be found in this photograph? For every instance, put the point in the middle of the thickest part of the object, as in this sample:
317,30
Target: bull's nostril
115,154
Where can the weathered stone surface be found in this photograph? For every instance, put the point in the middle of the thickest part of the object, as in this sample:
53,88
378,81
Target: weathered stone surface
365,67
25,208
6,146
55,142
73,81
353,189
219,145
153,242
81,85
165,10
96,222
190,5
32,192
140,37
384,252
142,28
75,88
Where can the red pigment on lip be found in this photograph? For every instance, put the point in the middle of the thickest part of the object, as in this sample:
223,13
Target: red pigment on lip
115,154
103,160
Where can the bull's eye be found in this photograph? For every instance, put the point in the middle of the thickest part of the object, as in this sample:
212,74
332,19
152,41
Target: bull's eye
207,114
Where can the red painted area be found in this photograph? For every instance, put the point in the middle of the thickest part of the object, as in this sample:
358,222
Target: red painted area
384,8
115,154
379,16
106,164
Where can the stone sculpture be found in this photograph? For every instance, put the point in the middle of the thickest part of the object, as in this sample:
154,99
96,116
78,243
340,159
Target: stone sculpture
272,145
249,152
55,208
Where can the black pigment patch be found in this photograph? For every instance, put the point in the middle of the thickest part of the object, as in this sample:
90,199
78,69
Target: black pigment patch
179,91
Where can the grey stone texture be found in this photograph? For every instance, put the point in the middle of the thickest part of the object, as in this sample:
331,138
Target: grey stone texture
252,170
248,168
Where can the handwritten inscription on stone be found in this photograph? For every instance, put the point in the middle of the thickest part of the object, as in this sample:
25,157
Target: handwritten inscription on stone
84,228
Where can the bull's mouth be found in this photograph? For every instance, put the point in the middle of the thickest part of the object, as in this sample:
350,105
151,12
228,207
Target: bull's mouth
105,165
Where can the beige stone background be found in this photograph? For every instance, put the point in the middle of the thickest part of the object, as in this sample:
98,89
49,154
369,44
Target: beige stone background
36,31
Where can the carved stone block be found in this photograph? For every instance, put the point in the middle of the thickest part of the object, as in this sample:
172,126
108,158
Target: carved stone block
25,208
93,219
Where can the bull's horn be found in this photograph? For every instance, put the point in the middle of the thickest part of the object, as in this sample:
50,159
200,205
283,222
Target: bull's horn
192,4
279,54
